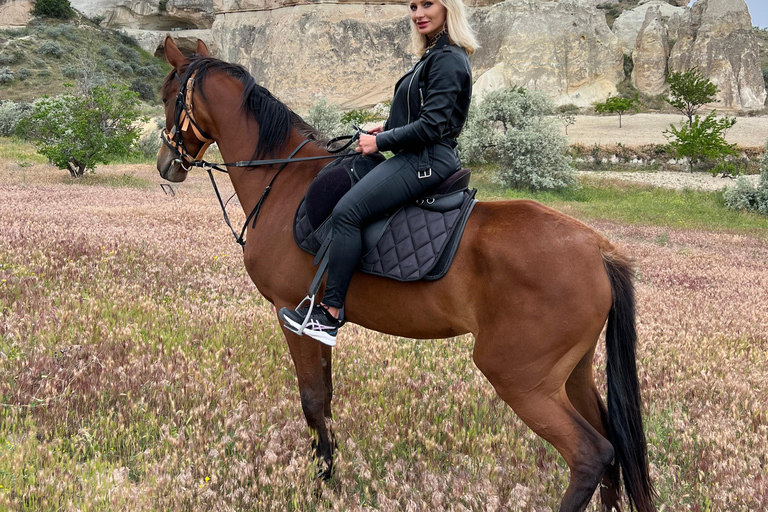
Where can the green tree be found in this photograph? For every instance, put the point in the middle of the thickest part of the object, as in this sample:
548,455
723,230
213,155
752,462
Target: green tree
702,139
76,132
616,105
689,91
60,9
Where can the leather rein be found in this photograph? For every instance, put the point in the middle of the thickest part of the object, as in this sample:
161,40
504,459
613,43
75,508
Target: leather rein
184,120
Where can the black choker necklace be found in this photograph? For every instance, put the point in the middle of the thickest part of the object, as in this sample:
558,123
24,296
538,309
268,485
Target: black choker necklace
432,40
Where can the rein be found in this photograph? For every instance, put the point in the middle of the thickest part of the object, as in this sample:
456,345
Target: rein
184,119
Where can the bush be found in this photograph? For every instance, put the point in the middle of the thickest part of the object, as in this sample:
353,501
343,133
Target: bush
51,48
326,118
359,117
127,53
745,196
60,9
23,73
12,56
10,115
145,91
6,76
514,128
149,144
114,64
44,73
71,71
105,51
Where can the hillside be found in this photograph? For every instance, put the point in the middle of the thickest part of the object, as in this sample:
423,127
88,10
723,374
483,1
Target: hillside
42,57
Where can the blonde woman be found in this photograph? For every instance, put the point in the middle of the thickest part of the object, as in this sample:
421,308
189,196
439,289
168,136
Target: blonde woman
428,111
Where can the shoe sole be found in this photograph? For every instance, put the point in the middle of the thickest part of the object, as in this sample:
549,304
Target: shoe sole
322,337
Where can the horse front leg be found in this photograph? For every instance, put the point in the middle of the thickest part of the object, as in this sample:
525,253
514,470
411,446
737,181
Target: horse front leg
313,371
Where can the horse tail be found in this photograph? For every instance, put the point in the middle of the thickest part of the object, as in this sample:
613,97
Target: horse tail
625,422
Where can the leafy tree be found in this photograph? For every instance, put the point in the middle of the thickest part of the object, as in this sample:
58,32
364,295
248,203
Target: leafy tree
60,9
617,105
703,139
514,127
76,132
689,91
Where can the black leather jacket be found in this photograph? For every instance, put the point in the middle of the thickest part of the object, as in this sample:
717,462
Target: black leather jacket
431,101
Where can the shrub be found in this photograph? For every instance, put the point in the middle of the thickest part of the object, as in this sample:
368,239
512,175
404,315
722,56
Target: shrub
514,128
145,91
39,63
60,9
44,73
148,71
127,40
71,71
127,53
359,117
23,73
114,64
51,31
10,115
51,48
105,51
745,196
12,56
6,76
78,132
325,117
149,144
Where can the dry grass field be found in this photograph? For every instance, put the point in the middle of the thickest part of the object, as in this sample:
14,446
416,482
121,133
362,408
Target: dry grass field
140,370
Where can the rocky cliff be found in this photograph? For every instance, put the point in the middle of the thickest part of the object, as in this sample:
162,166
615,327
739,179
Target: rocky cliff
352,51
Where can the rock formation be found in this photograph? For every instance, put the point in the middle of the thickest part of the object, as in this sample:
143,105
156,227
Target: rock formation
559,47
650,54
15,12
717,38
627,26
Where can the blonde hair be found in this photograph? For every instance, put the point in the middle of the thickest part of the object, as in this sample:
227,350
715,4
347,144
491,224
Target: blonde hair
457,25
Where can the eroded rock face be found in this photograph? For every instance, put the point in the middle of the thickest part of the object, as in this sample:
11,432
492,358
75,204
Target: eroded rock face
717,38
650,54
562,48
627,26
350,54
15,13
148,14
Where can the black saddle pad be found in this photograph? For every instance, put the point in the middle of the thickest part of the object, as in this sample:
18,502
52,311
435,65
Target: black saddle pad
418,241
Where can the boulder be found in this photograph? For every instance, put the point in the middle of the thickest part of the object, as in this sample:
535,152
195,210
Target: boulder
650,55
15,13
718,39
628,24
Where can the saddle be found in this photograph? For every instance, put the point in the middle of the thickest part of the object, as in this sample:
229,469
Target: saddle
418,241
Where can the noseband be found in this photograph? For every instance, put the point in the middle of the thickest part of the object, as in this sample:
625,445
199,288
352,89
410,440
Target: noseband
184,119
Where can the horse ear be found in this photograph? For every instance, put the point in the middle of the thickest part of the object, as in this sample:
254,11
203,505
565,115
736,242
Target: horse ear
202,49
172,54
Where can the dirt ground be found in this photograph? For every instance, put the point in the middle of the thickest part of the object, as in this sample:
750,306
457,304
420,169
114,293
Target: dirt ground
640,129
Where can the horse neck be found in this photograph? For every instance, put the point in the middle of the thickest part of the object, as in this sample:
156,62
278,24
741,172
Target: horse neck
288,188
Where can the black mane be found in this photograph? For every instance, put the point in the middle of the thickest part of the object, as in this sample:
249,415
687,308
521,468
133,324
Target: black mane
275,119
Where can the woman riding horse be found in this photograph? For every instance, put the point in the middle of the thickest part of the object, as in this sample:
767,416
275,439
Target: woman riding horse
428,111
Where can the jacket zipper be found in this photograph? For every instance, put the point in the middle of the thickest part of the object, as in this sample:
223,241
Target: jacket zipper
408,97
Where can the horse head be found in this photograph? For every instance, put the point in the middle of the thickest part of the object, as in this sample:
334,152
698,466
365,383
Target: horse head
183,138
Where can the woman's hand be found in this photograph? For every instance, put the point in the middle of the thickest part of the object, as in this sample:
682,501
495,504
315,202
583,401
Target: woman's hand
367,143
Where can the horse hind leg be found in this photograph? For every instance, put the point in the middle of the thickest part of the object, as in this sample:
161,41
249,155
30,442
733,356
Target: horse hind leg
587,453
541,401
583,394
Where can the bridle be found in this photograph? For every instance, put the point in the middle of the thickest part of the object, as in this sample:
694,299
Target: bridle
184,119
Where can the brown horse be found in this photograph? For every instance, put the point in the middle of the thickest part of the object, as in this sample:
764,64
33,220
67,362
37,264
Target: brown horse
535,288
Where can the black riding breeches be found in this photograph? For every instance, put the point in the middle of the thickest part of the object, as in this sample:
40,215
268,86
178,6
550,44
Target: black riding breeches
383,190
